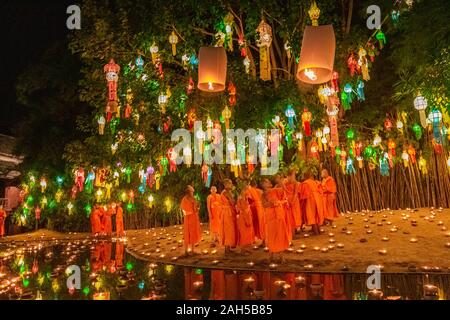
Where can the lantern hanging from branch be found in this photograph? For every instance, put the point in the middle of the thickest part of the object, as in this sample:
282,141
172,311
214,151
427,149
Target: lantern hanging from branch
420,103
112,70
332,118
265,40
317,53
173,40
435,118
212,69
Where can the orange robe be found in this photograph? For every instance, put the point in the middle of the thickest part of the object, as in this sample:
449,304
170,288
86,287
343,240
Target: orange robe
101,214
329,195
217,285
119,254
215,212
246,235
254,198
96,222
312,203
2,222
119,222
107,222
228,228
292,194
334,287
192,230
277,230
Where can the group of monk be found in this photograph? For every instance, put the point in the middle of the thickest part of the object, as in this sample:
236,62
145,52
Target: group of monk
101,220
271,214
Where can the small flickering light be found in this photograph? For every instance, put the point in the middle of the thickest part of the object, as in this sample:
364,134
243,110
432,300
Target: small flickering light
331,240
299,251
324,250
250,263
249,280
440,223
348,232
369,231
413,240
331,234
273,266
299,280
215,261
205,251
375,294
308,266
430,292
382,252
340,245
316,248
385,239
198,285
447,245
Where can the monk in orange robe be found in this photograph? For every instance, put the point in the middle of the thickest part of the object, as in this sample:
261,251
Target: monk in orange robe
2,221
312,203
246,236
119,254
119,220
101,214
213,203
96,223
228,228
329,194
277,234
107,220
292,188
254,197
191,225
279,182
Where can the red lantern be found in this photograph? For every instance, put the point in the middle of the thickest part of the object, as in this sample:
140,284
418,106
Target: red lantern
306,119
388,124
112,77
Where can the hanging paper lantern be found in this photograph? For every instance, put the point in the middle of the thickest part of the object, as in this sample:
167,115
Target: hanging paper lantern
290,114
112,77
380,36
350,134
352,64
435,119
423,165
388,124
212,69
399,125
417,131
363,64
376,140
332,118
306,120
412,154
264,42
173,40
101,125
392,145
232,93
420,103
139,62
360,91
226,114
154,52
334,81
318,49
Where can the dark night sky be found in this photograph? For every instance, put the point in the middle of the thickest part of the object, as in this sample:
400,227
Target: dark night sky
27,27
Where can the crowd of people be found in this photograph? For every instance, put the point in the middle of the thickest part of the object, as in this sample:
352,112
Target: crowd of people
102,222
271,214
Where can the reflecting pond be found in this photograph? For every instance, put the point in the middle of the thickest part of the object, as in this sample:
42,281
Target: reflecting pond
39,271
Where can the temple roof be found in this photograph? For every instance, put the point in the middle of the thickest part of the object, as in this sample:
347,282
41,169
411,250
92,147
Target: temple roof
8,161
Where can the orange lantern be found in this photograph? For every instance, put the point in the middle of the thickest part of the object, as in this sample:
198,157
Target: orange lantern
212,69
317,54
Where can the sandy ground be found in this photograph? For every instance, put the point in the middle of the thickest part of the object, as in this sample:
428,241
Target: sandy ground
398,240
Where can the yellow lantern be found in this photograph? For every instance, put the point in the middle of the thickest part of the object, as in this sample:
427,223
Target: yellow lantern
318,49
212,69
173,40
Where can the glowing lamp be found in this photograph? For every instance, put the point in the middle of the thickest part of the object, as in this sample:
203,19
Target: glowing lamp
212,69
420,103
317,54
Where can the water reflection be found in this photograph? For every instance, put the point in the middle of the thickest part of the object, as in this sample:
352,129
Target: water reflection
38,271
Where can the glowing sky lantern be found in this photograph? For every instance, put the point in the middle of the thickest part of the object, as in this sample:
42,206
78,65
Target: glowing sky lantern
318,49
212,69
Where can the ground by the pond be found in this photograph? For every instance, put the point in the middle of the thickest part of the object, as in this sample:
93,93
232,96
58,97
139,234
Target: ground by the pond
398,240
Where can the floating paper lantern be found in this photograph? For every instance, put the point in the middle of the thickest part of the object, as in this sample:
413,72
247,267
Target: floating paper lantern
317,53
212,69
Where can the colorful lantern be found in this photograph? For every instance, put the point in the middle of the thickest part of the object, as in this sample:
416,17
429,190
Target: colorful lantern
420,103
332,118
212,69
363,64
360,91
112,77
388,124
435,119
306,120
173,40
290,114
317,53
264,42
